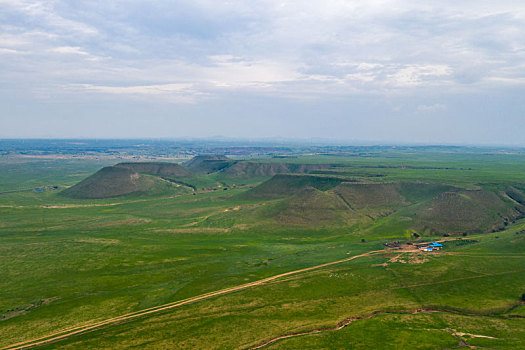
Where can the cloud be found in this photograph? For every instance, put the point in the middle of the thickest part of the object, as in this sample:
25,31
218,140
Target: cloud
417,75
289,49
8,51
432,108
75,50
176,93
45,14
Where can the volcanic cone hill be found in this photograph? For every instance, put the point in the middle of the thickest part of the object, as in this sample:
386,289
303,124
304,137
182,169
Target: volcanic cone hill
169,170
316,200
384,195
248,169
467,211
208,163
312,207
243,169
283,185
422,207
130,179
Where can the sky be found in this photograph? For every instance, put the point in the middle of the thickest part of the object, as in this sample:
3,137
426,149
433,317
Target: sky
384,71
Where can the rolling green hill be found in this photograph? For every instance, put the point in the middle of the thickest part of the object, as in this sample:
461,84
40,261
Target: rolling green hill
168,170
373,195
130,179
320,200
283,185
247,169
466,211
233,169
313,208
314,201
208,163
388,195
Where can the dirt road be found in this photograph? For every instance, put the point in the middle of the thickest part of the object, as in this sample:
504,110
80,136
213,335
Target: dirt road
92,326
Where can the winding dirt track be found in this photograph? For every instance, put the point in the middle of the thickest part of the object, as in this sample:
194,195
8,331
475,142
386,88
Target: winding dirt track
339,326
92,326
350,320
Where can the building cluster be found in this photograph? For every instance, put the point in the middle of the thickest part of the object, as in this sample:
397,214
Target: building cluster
429,247
424,246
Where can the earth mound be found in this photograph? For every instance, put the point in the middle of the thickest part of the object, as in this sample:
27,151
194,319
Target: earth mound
208,163
247,169
283,185
129,179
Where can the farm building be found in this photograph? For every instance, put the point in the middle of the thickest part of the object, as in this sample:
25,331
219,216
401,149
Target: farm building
430,247
392,244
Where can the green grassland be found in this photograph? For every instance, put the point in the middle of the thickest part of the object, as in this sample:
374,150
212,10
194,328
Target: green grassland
156,236
472,290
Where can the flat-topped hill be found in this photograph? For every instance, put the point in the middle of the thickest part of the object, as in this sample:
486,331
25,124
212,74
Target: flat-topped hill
394,194
314,208
248,169
283,185
157,168
243,169
208,163
314,201
129,179
467,211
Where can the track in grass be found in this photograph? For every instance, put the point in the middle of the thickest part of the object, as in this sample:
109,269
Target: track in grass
89,327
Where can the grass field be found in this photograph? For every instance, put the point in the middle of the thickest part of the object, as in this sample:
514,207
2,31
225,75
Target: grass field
69,261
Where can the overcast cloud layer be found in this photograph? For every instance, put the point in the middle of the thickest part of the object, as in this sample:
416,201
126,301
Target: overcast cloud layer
378,70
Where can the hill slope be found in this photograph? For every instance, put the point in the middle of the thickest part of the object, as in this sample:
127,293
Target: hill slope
284,185
314,201
169,170
388,195
208,163
313,208
466,211
129,179
246,169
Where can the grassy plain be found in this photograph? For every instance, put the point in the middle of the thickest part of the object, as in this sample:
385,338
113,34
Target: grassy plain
67,261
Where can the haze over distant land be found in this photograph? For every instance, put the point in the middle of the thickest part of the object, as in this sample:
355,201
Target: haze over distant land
401,71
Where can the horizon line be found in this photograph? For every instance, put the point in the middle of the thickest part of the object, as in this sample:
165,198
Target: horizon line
320,142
